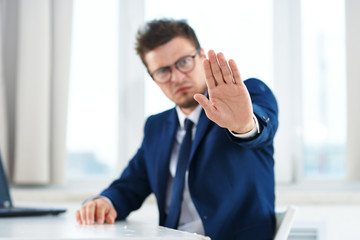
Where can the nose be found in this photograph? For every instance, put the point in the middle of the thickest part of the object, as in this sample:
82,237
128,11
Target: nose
176,75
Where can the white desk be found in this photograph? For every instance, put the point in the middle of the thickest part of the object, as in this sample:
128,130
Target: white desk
64,226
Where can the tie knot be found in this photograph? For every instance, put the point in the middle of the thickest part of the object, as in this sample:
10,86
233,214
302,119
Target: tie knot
188,124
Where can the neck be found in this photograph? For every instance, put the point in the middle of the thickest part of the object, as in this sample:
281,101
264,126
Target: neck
188,110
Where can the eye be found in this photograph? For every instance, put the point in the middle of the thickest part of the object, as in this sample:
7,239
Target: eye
183,62
162,72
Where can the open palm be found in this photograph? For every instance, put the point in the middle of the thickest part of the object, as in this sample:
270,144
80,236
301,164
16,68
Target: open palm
229,104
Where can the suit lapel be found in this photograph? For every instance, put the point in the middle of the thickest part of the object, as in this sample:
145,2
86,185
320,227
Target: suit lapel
168,133
202,126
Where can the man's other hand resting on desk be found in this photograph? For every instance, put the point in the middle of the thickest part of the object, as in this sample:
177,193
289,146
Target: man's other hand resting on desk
98,209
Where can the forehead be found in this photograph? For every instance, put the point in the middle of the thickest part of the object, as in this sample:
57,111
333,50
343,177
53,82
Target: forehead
168,53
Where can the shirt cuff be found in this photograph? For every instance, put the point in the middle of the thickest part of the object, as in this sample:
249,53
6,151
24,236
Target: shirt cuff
252,133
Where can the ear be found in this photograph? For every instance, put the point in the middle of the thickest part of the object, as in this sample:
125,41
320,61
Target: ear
202,53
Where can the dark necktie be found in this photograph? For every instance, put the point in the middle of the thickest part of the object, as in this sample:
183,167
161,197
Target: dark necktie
172,219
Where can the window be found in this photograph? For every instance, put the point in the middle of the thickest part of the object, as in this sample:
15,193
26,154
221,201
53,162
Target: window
243,30
92,140
324,88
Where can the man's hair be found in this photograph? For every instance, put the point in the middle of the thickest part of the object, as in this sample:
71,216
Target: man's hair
158,32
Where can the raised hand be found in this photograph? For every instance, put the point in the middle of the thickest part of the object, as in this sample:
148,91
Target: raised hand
229,104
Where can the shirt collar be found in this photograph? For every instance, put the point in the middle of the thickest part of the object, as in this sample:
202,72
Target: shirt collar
194,115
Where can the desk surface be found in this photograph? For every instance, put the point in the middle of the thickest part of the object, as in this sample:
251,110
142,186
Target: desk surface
64,226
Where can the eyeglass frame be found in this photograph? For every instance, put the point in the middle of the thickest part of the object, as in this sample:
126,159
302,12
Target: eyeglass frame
175,64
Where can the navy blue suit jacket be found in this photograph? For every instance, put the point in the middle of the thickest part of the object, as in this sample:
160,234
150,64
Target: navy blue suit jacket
231,181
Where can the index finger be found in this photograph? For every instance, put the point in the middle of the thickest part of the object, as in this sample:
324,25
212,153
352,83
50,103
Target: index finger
210,80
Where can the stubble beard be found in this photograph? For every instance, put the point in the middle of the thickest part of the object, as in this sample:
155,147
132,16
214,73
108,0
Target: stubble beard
190,102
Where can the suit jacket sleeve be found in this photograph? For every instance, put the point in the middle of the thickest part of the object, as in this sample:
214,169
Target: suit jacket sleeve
266,110
129,191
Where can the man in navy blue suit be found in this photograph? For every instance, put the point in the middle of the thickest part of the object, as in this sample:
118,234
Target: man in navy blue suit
225,186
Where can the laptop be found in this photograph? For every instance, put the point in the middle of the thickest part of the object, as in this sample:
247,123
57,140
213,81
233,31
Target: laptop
6,206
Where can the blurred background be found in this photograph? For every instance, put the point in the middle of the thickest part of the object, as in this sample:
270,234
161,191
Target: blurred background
74,95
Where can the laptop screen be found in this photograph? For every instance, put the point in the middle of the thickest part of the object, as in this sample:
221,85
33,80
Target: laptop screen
5,200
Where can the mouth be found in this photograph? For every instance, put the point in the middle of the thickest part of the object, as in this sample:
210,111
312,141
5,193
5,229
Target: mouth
181,90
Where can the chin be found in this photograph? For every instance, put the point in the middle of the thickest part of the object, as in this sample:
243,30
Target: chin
188,104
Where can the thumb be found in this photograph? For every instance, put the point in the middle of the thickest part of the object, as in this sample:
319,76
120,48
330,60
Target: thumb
204,102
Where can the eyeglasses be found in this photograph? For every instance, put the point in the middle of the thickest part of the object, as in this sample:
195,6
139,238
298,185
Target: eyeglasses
184,65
